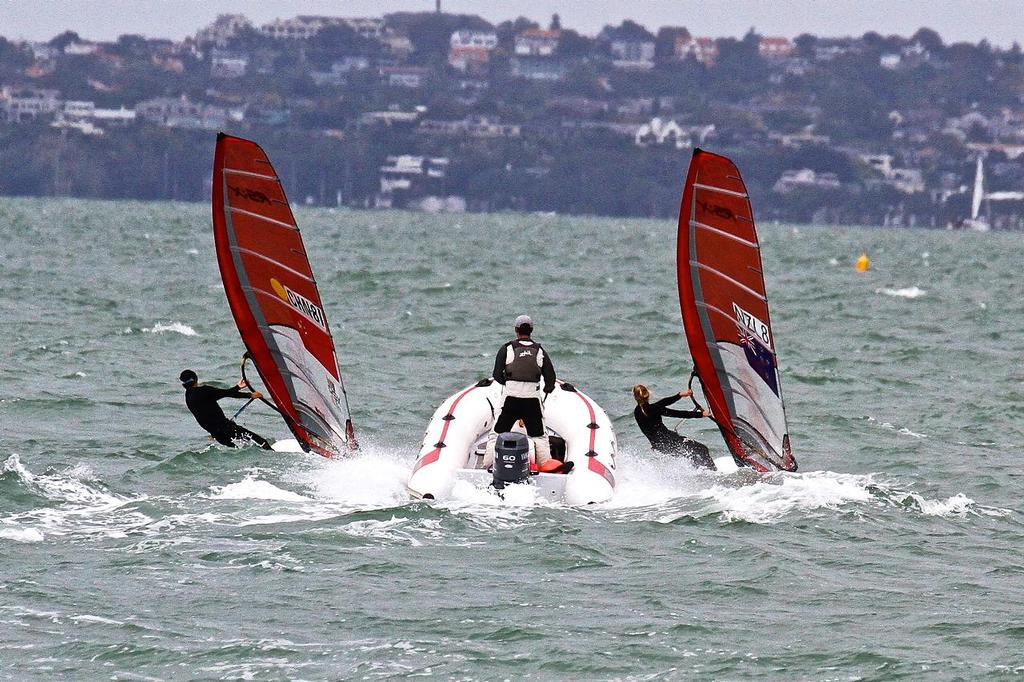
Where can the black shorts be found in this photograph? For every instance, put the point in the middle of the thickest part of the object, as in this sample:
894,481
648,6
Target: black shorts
672,443
227,434
527,409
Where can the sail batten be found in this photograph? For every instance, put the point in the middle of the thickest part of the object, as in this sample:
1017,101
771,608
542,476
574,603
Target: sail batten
725,314
274,299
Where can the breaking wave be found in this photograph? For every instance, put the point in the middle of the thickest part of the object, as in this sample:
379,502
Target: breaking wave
906,292
177,327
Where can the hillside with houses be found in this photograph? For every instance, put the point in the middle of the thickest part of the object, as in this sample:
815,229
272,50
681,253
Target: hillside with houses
445,112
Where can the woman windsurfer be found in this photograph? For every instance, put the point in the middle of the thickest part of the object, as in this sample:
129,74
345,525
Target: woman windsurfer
649,418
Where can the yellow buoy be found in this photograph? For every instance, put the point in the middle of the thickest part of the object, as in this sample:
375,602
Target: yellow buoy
863,263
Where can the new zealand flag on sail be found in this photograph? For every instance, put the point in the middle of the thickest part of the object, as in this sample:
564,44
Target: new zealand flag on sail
760,359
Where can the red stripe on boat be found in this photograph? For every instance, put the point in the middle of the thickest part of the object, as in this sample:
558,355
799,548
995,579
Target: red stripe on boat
435,454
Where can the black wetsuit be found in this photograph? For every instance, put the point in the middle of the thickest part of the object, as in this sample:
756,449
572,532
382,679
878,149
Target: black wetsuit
202,403
649,419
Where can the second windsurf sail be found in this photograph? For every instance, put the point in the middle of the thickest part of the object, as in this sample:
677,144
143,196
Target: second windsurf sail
274,298
725,314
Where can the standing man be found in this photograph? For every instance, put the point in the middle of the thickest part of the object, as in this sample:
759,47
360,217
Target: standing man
519,367
202,403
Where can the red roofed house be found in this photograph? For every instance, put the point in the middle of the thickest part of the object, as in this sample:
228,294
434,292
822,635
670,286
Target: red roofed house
775,47
471,50
536,42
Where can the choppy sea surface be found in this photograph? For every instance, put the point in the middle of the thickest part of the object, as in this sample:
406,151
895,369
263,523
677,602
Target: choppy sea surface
132,548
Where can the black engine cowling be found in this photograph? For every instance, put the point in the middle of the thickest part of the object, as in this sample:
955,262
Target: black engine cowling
511,459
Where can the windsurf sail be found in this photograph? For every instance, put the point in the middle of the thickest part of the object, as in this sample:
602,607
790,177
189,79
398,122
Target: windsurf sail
725,314
274,298
979,190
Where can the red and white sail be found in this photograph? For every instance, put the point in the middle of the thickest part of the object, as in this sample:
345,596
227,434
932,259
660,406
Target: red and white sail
725,314
274,298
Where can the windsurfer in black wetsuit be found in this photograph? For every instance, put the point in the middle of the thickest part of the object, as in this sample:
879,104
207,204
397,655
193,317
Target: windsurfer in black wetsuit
649,418
202,403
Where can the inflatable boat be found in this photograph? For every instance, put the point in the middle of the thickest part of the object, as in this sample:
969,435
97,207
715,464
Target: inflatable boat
455,445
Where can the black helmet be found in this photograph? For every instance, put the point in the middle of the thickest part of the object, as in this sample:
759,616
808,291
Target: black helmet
188,377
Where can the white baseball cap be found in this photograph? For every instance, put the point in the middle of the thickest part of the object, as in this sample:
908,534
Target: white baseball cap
521,320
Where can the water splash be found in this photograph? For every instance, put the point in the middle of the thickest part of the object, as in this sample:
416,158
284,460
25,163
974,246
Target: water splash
906,292
176,327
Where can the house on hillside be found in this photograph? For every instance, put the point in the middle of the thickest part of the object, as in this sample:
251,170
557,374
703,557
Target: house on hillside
537,42
704,50
805,178
471,50
20,105
408,179
539,68
775,47
225,64
405,76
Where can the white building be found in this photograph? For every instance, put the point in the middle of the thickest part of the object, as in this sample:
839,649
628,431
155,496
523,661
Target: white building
19,106
487,40
81,49
536,42
410,175
225,64
805,178
181,112
637,55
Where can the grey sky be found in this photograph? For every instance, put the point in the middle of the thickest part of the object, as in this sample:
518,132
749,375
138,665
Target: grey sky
999,21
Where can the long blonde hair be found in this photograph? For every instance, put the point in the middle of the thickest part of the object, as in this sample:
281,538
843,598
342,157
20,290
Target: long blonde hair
642,395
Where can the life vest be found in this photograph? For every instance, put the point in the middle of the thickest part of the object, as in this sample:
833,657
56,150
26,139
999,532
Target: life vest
523,362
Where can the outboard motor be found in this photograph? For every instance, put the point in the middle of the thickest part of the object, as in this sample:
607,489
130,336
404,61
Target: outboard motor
511,460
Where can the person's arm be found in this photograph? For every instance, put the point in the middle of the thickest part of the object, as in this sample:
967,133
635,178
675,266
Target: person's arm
499,365
233,392
665,402
547,370
685,414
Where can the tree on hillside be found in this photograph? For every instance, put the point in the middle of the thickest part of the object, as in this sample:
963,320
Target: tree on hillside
574,46
805,44
929,39
665,42
430,32
64,39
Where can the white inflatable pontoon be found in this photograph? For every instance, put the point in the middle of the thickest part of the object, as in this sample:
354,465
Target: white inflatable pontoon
456,439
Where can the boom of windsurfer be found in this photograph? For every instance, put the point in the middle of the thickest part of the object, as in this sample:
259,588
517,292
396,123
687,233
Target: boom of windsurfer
202,403
519,367
649,418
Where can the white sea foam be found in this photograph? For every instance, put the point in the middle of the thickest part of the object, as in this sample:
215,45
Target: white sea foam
381,477
771,499
250,488
19,534
82,505
906,292
177,327
898,429
957,505
89,618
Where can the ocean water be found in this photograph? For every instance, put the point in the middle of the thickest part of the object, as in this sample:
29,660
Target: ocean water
130,548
